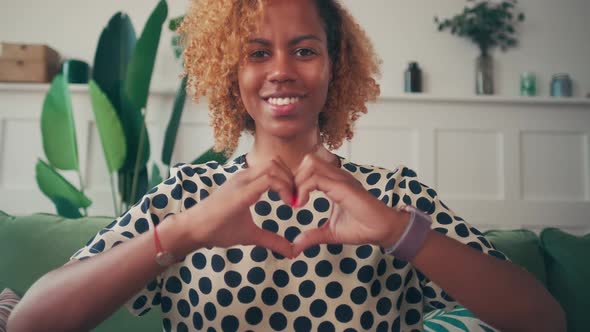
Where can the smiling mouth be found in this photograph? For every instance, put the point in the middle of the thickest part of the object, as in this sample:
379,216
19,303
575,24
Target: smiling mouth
285,106
282,101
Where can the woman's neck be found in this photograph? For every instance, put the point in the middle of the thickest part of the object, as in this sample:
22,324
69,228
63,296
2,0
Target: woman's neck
291,151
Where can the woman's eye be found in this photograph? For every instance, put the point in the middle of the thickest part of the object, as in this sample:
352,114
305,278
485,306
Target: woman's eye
258,54
305,52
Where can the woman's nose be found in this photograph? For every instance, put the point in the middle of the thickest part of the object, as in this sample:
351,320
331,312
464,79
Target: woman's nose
281,69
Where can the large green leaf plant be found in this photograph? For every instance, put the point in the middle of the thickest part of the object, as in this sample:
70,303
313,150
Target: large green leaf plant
119,91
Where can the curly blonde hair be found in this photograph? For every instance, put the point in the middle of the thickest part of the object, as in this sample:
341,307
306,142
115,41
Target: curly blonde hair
214,34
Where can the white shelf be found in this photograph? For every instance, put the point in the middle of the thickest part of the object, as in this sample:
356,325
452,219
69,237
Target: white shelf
410,97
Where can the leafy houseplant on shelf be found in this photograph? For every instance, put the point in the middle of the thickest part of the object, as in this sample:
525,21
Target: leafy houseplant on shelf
119,90
488,24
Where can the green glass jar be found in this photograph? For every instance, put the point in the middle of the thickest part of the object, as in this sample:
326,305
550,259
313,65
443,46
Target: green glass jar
528,84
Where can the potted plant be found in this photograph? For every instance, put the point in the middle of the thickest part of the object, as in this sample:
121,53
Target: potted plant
488,24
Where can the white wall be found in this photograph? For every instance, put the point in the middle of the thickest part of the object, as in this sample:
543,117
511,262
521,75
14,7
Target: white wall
554,38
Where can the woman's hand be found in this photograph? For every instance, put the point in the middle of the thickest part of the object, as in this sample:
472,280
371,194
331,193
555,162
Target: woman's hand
224,218
357,216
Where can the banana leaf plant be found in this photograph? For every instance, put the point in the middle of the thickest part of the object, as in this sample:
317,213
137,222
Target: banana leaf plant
119,90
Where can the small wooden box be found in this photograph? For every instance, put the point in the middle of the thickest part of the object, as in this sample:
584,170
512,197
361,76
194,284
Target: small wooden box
28,63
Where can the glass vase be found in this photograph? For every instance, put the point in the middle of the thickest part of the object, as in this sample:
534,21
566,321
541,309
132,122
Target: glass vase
484,75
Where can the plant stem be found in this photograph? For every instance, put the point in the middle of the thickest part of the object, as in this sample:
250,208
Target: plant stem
82,189
138,157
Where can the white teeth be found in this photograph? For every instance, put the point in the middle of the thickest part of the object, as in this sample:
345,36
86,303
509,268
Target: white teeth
283,101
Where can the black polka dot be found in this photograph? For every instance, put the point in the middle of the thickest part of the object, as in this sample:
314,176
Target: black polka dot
312,252
375,288
437,305
497,254
189,186
326,327
210,311
358,295
365,273
128,234
262,208
229,324
197,321
365,170
372,179
402,184
344,313
254,315
98,247
394,282
299,269
412,317
206,180
256,275
441,230
173,285
413,295
462,230
217,263
284,212
291,233
278,321
184,308
181,327
155,219
171,180
399,264
333,289
394,199
307,288
291,303
189,202
188,171
424,204
193,297
415,187
302,324
139,302
322,222
390,185
364,251
280,278
381,267
270,225
141,225
269,296
160,201
367,320
384,306
350,167
375,192
199,261
166,304
407,200
273,196
259,254
200,170
145,205
321,204
232,278
318,308
475,246
235,255
304,217
334,249
219,179
185,275
205,285
347,265
246,294
429,292
383,326
323,268
224,297
203,194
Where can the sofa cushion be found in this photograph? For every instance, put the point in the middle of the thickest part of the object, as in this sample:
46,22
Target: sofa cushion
523,248
8,300
33,245
458,319
568,274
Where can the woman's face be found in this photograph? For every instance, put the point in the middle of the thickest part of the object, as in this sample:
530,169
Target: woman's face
284,79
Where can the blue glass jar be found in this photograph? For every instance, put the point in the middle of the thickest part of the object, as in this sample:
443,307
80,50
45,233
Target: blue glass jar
561,85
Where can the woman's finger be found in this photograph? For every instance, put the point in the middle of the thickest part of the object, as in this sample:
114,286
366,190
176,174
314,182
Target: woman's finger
321,235
273,242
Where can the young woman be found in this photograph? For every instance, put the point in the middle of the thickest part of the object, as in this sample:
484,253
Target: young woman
288,236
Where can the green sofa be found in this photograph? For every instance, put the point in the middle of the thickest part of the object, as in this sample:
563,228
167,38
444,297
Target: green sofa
32,245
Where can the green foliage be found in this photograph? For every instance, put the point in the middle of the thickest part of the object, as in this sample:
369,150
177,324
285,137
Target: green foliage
486,24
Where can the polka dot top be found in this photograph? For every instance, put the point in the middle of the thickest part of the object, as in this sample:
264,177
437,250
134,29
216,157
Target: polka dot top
326,288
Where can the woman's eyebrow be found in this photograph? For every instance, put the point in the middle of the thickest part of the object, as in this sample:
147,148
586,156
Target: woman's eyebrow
292,42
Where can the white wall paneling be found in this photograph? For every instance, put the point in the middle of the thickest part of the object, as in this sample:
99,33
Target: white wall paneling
498,162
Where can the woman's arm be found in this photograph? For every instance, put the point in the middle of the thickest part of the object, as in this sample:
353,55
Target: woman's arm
499,292
81,294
